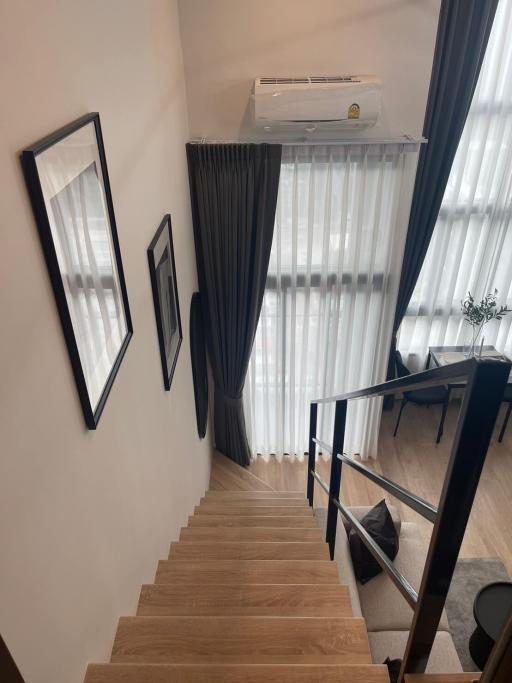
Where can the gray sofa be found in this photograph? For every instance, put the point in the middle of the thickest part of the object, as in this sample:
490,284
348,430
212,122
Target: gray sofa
387,614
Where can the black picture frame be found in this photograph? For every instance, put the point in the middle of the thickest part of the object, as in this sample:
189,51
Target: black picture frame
29,157
161,255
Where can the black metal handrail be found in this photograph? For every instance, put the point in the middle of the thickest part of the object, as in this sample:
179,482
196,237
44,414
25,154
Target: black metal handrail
323,444
486,379
322,483
422,507
418,380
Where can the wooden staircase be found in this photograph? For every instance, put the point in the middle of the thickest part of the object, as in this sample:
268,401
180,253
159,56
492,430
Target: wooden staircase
247,595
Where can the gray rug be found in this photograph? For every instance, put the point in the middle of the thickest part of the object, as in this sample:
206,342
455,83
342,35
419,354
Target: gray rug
469,577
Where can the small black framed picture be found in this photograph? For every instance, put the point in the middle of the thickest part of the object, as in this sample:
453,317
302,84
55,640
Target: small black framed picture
162,271
67,179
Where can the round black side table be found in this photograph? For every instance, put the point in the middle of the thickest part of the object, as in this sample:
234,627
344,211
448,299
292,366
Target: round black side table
491,608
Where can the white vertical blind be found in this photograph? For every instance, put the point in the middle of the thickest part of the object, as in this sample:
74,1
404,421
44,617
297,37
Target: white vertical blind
331,289
471,248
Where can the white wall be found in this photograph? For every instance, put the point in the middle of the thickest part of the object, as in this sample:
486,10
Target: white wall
228,43
84,516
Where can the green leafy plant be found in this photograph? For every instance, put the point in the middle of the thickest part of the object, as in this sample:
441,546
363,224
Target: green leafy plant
478,314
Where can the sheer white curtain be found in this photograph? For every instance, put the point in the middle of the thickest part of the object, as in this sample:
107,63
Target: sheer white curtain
327,311
471,248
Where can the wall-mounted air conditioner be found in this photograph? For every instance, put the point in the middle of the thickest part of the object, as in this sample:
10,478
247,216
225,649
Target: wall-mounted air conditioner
316,102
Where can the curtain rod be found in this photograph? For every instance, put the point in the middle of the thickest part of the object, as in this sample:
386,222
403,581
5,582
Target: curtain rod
401,140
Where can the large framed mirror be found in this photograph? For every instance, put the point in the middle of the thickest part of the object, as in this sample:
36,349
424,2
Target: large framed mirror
67,180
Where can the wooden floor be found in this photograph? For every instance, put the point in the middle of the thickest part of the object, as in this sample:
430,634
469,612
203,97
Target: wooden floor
414,460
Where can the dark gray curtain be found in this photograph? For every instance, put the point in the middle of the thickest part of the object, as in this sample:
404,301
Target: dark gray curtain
462,35
233,189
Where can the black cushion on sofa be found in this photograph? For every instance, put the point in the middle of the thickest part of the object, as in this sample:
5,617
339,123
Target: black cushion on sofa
379,525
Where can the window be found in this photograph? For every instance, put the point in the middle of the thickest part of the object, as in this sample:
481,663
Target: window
471,248
330,293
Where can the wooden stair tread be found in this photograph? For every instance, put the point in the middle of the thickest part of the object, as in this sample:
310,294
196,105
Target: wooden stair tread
245,600
250,550
250,510
276,535
247,571
300,522
233,673
442,678
256,502
238,640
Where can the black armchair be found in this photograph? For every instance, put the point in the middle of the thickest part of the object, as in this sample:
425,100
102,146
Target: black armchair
422,397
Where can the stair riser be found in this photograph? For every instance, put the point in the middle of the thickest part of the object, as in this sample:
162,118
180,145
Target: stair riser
188,550
252,571
303,522
232,495
136,673
250,511
256,502
252,534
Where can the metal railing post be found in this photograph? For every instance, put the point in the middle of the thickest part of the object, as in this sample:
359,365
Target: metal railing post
313,414
482,400
338,438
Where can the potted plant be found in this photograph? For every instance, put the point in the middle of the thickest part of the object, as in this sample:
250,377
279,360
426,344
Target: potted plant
478,314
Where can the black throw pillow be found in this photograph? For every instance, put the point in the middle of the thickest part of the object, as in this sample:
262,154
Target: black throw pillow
379,525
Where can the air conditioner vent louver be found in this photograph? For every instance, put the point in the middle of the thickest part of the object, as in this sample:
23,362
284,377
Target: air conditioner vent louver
334,79
283,81
309,79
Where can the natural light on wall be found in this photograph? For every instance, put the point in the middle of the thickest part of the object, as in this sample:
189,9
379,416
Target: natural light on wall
471,248
330,294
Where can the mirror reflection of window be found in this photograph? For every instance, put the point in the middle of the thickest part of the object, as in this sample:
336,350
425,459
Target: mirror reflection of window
75,199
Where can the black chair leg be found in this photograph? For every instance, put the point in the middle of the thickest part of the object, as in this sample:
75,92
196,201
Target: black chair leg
505,422
402,406
441,424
